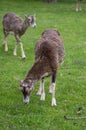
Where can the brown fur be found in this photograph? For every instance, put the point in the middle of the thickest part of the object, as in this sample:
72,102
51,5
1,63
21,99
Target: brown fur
49,53
12,22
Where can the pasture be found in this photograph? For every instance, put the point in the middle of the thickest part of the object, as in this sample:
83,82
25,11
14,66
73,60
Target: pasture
71,79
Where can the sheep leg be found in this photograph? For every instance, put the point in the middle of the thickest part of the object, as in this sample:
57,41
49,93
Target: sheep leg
21,46
5,44
53,89
78,6
50,87
5,40
42,90
22,50
15,50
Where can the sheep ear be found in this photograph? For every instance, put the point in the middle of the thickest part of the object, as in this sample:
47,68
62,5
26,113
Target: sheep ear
43,33
29,18
26,16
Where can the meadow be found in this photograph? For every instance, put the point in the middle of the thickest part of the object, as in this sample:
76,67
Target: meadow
71,79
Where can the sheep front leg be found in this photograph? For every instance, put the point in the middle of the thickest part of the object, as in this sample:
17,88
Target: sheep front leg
50,87
5,40
5,44
21,46
41,90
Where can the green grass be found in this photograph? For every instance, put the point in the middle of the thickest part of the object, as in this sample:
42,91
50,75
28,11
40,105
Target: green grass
71,81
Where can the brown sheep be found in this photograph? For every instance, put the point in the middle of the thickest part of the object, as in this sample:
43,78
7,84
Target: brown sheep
13,24
49,53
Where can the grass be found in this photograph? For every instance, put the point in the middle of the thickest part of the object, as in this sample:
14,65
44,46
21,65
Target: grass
71,81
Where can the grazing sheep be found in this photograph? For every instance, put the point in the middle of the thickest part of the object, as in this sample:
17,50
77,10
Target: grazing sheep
13,24
49,1
78,5
49,53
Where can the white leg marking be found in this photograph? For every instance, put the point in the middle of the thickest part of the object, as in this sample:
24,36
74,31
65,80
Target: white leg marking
53,102
53,95
77,7
80,9
80,6
22,50
40,89
42,97
77,10
15,50
50,87
5,44
6,47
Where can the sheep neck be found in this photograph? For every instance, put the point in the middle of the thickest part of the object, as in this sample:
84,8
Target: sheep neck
39,70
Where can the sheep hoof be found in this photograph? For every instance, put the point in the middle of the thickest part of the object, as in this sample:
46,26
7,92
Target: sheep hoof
14,54
6,51
38,93
23,58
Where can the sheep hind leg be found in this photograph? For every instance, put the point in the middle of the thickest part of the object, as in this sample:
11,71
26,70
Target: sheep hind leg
53,89
22,50
50,87
53,95
15,50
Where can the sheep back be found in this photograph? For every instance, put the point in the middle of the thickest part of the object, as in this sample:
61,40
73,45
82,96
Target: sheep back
50,45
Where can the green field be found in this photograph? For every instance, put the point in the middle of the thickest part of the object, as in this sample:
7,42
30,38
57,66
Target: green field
71,79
